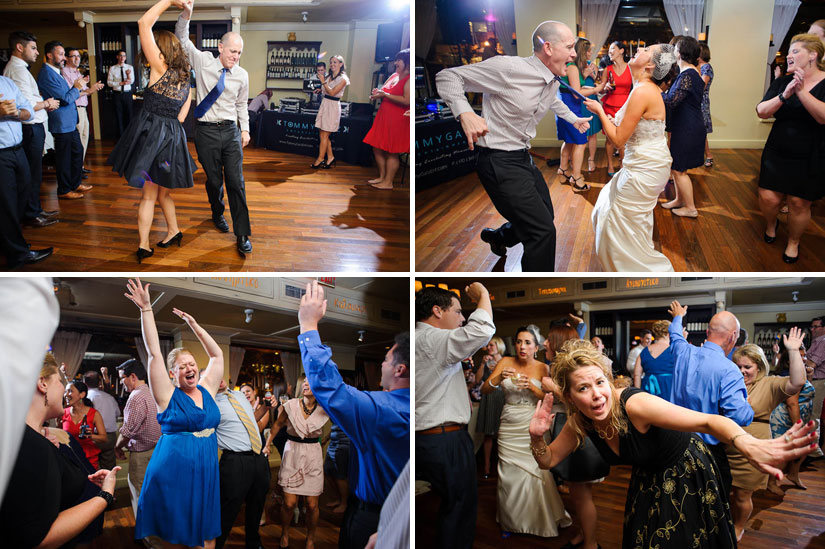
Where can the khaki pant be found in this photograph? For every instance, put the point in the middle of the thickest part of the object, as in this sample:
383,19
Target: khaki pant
138,461
106,459
83,128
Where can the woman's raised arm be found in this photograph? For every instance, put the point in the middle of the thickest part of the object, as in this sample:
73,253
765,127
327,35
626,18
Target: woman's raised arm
159,383
211,378
147,39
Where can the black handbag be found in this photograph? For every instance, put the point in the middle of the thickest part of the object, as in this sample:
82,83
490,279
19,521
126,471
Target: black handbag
583,465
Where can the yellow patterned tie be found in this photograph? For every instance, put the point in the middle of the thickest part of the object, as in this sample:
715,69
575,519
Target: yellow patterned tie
251,427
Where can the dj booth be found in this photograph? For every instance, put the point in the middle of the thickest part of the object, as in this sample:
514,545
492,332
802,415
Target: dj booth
291,129
441,151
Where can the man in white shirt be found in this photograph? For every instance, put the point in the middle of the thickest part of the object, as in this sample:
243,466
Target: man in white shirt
646,339
223,125
443,448
23,47
518,92
109,409
121,78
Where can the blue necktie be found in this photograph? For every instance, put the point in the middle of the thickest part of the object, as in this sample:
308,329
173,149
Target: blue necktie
211,97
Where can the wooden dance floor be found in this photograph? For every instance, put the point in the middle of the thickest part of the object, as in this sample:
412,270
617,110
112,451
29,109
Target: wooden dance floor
302,220
119,525
727,235
795,520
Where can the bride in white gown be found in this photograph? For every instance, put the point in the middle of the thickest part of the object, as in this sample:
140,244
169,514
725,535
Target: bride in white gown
528,502
623,215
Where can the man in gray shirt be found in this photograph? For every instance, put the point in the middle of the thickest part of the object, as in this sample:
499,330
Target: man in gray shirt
518,92
222,96
443,448
244,466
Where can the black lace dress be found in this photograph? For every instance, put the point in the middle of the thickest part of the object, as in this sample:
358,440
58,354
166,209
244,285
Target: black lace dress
674,498
684,120
153,147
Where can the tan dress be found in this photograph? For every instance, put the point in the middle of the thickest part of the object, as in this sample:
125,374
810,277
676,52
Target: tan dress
329,113
764,395
302,466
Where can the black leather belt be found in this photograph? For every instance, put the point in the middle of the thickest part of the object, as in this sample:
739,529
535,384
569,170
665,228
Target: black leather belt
218,123
13,148
367,506
302,440
331,98
246,453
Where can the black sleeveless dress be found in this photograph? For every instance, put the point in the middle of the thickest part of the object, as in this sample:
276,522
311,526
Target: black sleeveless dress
675,497
153,147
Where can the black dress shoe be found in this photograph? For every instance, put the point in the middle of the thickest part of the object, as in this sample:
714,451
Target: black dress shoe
32,256
86,170
494,239
175,239
220,223
40,221
143,253
244,245
84,176
50,214
329,165
771,239
788,259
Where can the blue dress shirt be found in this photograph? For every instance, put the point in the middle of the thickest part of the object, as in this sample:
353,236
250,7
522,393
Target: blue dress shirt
11,130
377,422
705,381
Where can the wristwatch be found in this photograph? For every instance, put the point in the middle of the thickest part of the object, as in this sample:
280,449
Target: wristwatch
782,98
110,499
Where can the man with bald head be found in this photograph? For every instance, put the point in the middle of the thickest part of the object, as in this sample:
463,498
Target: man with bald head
706,381
222,97
518,92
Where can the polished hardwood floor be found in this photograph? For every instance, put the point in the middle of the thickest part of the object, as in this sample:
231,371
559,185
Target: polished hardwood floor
795,520
302,220
119,525
727,235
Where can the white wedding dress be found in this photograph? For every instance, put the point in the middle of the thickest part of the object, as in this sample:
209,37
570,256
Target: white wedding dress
528,502
623,214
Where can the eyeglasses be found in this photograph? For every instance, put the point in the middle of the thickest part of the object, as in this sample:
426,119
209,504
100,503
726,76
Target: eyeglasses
75,55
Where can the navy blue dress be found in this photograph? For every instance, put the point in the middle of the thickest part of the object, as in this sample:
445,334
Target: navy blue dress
658,371
180,498
153,146
685,121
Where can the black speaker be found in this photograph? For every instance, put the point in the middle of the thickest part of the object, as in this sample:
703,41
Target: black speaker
388,42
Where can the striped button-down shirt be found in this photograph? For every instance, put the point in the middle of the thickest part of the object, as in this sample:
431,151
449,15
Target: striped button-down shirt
440,388
518,92
140,420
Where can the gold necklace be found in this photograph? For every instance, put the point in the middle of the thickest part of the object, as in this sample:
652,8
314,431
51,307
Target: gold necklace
603,432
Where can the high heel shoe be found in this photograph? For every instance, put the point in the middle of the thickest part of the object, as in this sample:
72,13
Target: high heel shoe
771,239
328,165
175,239
321,164
788,259
576,188
143,253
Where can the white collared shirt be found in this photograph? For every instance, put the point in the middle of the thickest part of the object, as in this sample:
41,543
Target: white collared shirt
440,389
117,74
518,92
18,71
232,104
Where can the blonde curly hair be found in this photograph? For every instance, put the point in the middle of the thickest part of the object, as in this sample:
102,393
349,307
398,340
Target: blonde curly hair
574,355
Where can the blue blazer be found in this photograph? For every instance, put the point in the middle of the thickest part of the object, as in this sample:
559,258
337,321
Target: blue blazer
64,118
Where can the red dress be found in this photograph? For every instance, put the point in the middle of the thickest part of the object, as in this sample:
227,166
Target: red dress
89,447
391,129
622,85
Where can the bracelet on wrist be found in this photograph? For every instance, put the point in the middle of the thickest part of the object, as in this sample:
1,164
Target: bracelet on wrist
107,496
782,98
538,452
490,383
734,437
148,310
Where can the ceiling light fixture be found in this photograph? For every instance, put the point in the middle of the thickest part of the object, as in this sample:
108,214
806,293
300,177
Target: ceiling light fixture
248,313
360,336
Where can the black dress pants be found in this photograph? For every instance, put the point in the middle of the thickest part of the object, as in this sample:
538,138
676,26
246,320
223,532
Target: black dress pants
447,462
123,110
34,136
221,155
520,194
14,189
68,160
359,523
244,479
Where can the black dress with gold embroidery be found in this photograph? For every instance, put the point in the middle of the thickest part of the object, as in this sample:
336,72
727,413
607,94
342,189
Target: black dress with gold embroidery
153,147
674,498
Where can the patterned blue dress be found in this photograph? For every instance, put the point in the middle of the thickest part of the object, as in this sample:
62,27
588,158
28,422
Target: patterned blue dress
780,418
180,498
658,371
707,70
